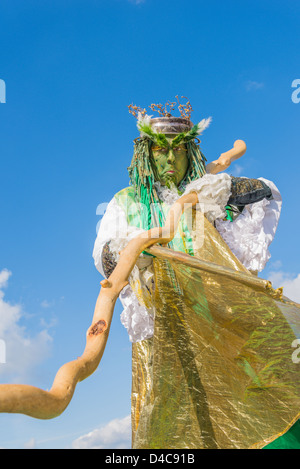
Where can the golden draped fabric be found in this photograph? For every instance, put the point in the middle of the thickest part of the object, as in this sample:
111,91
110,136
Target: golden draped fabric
219,370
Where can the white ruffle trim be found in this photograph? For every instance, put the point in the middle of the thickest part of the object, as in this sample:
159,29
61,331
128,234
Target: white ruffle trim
213,192
251,233
113,226
137,319
117,245
115,229
169,196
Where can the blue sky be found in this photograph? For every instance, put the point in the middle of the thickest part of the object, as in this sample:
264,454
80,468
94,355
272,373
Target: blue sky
71,68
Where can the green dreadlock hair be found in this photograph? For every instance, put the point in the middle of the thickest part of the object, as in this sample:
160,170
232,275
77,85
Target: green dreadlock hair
142,178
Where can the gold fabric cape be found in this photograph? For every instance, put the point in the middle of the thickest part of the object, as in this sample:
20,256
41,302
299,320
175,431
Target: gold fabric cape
219,371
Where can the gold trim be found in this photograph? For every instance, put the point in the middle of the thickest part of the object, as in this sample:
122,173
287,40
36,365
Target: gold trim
264,443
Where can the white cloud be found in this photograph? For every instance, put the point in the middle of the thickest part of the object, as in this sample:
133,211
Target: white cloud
31,444
114,435
254,85
236,170
290,284
4,276
22,350
276,265
45,304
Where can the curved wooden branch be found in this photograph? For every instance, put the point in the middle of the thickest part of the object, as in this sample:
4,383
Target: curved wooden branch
225,159
206,266
41,404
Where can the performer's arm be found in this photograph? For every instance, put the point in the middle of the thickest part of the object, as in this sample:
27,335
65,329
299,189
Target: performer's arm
113,235
225,160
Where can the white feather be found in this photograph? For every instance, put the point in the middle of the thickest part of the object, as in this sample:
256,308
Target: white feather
203,125
143,120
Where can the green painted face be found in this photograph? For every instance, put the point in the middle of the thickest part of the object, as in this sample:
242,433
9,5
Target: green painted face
170,164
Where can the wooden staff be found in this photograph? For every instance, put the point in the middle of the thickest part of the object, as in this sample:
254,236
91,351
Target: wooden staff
41,404
225,159
37,403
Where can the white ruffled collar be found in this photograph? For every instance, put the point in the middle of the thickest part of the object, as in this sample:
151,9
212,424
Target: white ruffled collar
166,194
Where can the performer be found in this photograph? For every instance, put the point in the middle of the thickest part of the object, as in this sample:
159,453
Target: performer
180,322
167,162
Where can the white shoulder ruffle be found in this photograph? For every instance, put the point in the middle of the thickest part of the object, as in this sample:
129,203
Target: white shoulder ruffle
251,233
213,192
114,228
137,319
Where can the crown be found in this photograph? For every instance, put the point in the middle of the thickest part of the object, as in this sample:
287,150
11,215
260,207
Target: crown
156,128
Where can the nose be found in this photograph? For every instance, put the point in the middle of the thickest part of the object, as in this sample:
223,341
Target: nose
171,156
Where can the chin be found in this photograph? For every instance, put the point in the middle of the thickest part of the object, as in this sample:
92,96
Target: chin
170,180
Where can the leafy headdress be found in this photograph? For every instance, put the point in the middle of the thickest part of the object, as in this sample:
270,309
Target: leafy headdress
155,131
